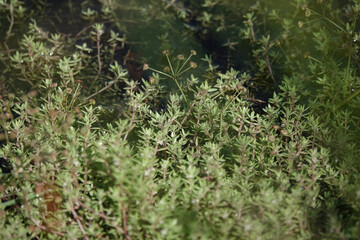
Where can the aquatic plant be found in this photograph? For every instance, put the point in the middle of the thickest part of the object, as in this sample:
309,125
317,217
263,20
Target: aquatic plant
89,150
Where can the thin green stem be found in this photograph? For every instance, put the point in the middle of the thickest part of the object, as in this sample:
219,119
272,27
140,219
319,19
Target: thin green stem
225,108
171,77
182,66
165,74
344,102
8,33
170,65
312,58
347,99
349,62
74,96
185,71
328,19
346,84
177,67
183,94
101,90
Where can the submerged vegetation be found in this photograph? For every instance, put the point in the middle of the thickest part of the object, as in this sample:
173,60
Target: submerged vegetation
211,119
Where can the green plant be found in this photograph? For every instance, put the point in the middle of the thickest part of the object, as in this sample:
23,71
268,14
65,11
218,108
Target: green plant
88,152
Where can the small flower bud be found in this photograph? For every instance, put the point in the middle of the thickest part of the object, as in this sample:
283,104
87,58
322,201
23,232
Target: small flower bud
32,93
203,92
100,32
284,132
271,138
68,90
152,80
193,52
240,88
11,96
92,101
166,69
300,24
180,57
276,127
193,64
165,52
145,67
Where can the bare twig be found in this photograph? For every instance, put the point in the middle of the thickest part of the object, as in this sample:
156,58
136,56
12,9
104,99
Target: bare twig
101,90
45,228
124,216
77,218
103,216
131,122
268,64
